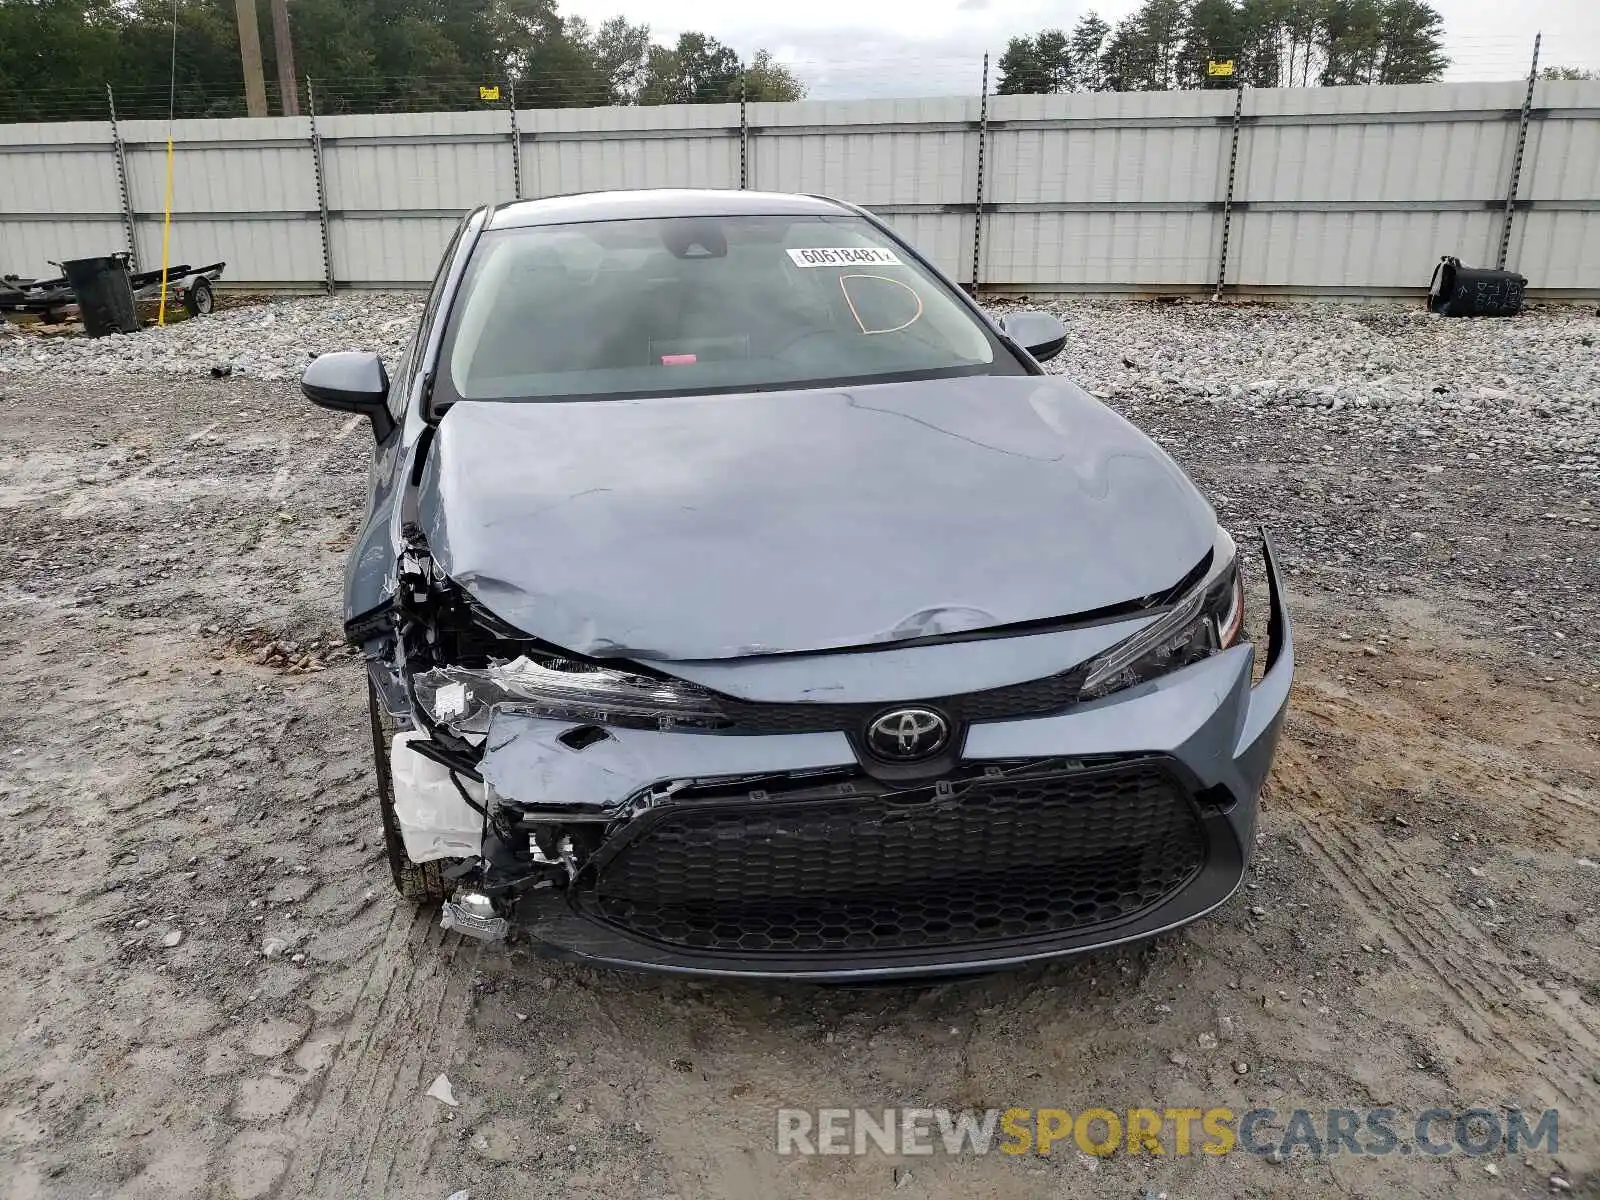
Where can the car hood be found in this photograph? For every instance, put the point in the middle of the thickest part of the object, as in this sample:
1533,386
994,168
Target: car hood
714,527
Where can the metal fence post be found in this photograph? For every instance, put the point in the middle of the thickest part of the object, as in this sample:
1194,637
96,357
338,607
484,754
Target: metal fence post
1227,196
516,145
122,181
744,136
1516,160
983,141
322,190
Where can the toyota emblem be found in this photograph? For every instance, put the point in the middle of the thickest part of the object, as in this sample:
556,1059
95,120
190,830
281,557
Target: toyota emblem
906,734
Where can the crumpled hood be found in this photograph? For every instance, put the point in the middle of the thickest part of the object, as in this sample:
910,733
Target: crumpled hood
711,527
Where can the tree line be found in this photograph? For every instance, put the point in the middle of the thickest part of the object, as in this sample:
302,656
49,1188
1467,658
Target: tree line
1167,44
58,56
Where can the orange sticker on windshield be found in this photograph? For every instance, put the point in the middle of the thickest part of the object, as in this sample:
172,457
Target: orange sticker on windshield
677,360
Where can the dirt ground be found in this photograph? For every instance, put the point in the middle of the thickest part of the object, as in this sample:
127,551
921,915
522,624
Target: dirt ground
210,989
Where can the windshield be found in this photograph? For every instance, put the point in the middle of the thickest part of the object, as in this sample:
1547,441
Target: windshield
702,304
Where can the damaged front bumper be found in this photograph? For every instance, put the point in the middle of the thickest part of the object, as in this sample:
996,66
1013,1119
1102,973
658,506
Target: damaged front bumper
783,855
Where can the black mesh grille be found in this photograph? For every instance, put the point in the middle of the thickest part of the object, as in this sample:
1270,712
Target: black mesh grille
1036,697
984,860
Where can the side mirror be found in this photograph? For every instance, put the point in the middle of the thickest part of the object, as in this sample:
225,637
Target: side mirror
1039,333
351,381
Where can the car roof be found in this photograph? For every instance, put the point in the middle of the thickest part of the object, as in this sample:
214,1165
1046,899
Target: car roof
658,202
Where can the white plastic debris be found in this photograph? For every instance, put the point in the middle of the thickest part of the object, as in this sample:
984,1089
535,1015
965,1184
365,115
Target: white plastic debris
450,701
435,821
443,1092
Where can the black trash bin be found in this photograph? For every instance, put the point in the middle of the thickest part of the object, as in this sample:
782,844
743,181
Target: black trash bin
1458,291
105,295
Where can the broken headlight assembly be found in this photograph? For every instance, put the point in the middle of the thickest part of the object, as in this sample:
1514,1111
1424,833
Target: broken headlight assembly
1205,620
463,698
442,629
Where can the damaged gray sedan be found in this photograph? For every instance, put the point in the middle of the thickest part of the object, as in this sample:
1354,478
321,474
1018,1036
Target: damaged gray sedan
738,598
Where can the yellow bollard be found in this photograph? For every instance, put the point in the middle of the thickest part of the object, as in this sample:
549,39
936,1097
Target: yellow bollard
166,239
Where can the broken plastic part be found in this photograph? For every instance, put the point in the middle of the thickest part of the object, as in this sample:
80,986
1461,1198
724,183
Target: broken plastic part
472,914
436,821
1185,634
1170,636
525,761
584,735
391,689
463,698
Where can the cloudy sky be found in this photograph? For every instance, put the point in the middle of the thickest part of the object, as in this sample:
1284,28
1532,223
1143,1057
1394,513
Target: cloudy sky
846,48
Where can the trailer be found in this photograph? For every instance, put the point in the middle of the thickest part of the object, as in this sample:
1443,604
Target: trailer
191,287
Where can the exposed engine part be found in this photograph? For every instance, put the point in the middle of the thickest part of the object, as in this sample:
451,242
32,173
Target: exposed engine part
556,846
439,625
569,857
472,914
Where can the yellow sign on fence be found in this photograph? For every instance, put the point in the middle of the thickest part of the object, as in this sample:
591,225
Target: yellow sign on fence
489,93
1223,68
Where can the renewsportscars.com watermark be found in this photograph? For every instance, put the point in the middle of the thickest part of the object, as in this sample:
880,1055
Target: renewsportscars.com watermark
1316,1133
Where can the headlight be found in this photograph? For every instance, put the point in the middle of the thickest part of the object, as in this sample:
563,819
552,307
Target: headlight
461,698
1206,619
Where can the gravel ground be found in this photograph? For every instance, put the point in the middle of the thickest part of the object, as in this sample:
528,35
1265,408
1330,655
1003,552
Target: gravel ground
268,341
211,992
1397,454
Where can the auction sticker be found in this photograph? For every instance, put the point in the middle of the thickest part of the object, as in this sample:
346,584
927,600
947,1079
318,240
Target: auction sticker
844,256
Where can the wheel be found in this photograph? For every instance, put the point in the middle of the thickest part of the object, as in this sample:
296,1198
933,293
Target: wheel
420,883
200,299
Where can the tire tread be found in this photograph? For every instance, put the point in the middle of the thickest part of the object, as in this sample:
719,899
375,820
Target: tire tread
420,883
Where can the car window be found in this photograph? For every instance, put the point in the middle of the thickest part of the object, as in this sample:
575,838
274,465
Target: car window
399,389
696,304
431,309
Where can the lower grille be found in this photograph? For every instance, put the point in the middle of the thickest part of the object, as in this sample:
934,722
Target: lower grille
987,860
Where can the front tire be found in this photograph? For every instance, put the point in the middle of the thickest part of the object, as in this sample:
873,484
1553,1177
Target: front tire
420,883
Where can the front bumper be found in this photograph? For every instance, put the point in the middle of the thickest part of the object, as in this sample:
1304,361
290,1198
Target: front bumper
1203,738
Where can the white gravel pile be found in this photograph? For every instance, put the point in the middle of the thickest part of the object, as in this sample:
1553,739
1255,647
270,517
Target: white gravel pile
274,340
1529,384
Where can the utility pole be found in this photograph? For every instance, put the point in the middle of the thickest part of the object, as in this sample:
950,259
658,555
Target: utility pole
255,88
283,43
